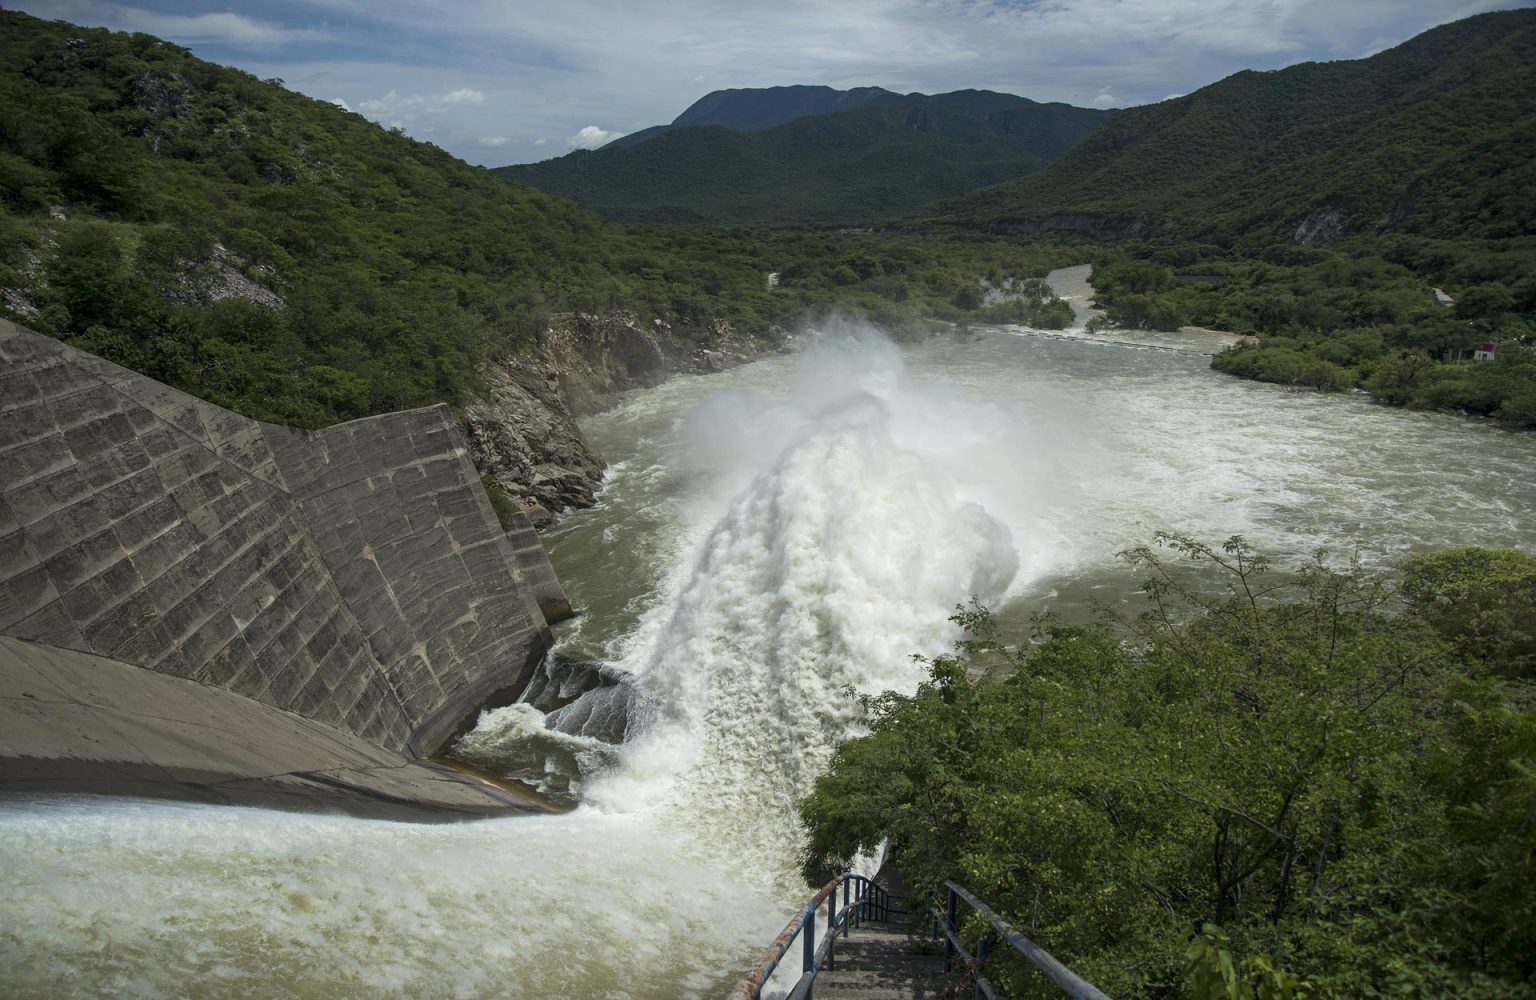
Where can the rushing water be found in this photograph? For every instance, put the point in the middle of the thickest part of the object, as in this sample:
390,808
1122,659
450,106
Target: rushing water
771,541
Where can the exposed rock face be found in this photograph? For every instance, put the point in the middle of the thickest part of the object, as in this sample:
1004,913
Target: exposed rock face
524,433
598,357
220,276
1322,228
524,436
582,698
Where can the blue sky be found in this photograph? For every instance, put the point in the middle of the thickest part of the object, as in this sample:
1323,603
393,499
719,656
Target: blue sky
511,81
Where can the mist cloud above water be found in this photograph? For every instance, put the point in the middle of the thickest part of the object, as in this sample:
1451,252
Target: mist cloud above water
846,520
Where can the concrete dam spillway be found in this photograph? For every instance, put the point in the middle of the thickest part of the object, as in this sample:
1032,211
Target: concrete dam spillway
771,542
198,605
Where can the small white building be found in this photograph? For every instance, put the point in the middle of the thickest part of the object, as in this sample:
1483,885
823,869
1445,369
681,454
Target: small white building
1488,352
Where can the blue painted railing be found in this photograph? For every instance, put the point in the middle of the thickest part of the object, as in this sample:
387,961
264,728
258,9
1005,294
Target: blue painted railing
862,900
1070,982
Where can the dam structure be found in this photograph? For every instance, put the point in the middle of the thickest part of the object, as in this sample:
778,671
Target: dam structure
198,605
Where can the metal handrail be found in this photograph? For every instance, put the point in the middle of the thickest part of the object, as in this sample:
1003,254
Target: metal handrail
1070,982
863,899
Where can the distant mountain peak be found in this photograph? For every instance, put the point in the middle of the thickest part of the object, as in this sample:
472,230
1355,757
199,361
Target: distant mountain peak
807,153
752,109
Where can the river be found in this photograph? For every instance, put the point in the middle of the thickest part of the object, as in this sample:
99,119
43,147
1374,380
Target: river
770,542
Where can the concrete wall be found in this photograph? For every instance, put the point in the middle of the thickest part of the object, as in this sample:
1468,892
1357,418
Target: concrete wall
355,576
76,723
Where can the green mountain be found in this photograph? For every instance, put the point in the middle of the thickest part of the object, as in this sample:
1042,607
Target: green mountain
750,109
1372,222
883,160
1433,137
281,256
298,263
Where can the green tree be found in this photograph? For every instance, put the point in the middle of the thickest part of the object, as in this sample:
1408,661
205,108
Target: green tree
1266,753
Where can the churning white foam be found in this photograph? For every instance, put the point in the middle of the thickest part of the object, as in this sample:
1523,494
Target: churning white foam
860,513
827,534
131,899
779,549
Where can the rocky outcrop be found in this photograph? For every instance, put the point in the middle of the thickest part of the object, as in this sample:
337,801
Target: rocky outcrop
598,357
524,433
221,274
1323,227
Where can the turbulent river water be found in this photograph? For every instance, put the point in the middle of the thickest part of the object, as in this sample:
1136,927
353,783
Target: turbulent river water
770,542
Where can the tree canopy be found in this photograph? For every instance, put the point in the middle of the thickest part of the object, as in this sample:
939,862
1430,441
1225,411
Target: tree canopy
1324,775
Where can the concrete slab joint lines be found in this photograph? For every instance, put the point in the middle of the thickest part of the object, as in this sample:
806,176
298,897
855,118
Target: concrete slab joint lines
355,576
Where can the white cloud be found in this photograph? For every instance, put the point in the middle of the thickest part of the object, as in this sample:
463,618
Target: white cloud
410,107
222,28
540,142
540,67
494,140
343,105
390,102
592,137
1173,97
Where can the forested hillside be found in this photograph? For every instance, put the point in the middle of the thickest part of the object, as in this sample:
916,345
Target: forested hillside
277,254
880,161
1429,138
1317,208
295,262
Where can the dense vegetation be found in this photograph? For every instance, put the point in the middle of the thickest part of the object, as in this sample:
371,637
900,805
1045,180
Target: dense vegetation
297,263
876,162
1320,784
1359,316
1333,771
1315,207
1431,139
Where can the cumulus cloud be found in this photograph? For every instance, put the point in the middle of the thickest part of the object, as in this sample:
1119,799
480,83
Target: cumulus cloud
494,140
542,66
592,137
343,105
410,107
222,28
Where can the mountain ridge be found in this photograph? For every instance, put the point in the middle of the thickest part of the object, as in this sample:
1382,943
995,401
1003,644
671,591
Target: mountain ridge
891,156
749,109
1375,144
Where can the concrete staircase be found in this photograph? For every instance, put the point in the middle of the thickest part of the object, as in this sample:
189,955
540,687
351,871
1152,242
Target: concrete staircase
884,961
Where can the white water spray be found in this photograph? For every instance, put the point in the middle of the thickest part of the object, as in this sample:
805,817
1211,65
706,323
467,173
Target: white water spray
750,563
860,523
